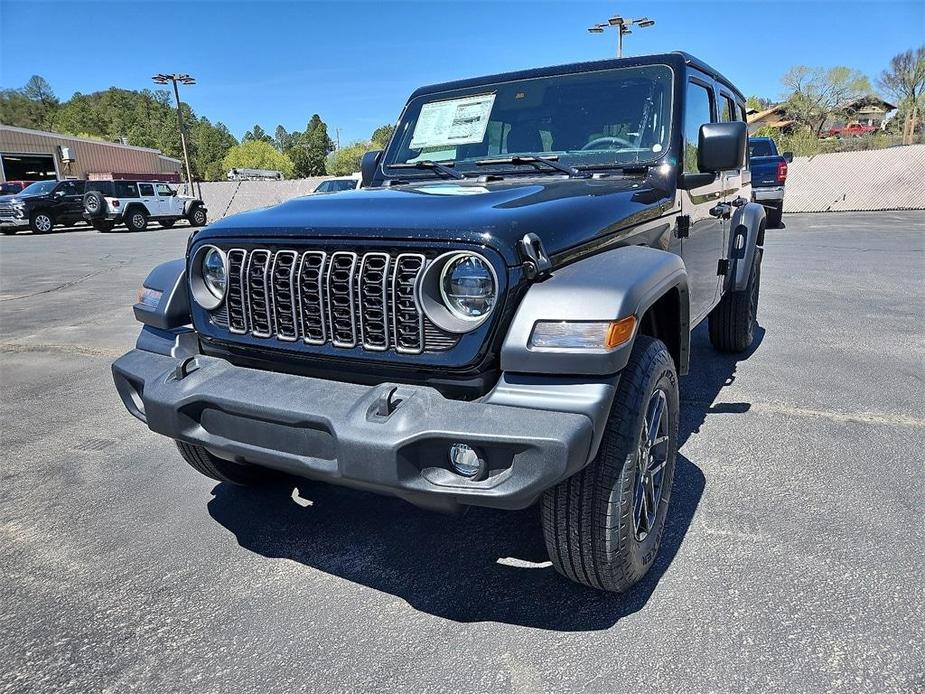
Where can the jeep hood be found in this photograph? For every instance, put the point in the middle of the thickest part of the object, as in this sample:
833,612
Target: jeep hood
563,212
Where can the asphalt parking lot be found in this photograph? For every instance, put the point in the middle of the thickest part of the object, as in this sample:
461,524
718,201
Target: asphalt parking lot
793,559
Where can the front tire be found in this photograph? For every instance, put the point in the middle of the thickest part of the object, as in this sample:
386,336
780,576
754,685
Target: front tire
603,526
41,222
136,220
732,321
219,469
197,217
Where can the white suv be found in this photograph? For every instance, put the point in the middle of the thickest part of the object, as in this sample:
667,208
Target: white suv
133,203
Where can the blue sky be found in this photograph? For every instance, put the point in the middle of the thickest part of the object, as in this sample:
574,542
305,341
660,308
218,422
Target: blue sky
356,62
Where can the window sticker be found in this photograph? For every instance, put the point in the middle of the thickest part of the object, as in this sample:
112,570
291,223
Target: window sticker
454,122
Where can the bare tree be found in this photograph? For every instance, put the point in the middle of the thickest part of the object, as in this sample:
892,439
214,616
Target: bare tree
816,95
905,79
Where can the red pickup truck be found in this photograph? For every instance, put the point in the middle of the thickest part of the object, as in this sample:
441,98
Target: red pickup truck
853,130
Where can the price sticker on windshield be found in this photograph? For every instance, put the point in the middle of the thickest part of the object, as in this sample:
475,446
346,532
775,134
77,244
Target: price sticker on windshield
453,122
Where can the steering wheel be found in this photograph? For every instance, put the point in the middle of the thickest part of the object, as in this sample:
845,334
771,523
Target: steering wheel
608,140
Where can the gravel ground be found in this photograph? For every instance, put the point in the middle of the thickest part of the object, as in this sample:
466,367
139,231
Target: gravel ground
793,560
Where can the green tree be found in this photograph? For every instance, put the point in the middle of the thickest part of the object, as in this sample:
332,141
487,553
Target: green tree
905,80
257,154
759,103
210,144
282,138
310,149
346,160
257,134
381,136
32,106
814,96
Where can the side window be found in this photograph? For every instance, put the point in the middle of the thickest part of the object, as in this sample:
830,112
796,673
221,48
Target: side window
699,110
70,188
164,190
124,189
146,190
729,110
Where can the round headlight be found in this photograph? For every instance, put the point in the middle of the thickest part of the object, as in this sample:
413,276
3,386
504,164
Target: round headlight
214,274
467,286
208,277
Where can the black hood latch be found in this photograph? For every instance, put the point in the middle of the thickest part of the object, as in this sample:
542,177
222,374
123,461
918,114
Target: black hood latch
536,263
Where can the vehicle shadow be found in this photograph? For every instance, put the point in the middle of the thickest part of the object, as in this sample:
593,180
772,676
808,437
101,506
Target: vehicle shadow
485,565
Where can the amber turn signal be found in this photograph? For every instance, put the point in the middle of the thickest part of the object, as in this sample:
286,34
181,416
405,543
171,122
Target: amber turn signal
620,331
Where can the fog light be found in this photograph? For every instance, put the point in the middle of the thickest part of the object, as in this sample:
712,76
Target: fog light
466,461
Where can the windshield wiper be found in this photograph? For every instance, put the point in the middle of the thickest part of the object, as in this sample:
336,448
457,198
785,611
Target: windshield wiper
552,162
428,164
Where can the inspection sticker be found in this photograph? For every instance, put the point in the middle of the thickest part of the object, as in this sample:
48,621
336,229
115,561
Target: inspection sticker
453,122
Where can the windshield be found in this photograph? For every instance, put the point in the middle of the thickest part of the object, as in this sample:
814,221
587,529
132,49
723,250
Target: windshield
335,186
39,188
759,148
588,120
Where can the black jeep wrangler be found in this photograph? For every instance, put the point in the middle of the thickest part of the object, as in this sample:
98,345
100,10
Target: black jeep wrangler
497,318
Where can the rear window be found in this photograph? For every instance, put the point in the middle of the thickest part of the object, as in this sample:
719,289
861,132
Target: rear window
759,148
104,187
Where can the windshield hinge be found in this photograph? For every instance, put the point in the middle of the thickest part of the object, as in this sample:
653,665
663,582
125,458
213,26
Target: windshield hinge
684,226
536,262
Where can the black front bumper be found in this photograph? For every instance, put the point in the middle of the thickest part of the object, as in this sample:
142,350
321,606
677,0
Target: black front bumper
333,431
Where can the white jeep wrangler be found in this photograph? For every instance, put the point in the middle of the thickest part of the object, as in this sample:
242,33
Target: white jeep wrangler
133,203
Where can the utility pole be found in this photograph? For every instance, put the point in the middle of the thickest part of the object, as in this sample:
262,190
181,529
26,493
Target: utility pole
163,78
622,25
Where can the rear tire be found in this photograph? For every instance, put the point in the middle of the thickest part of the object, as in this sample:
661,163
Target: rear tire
197,217
136,220
219,469
775,215
41,222
603,526
732,321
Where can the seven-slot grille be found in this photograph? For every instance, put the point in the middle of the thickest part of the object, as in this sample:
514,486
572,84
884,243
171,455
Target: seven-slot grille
341,298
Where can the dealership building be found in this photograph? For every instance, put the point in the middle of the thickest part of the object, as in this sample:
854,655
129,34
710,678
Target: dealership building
33,155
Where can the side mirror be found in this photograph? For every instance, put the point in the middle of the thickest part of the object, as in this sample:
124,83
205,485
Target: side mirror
58,194
368,166
788,157
721,146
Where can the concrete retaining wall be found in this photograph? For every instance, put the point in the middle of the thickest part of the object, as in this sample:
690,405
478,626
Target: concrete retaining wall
885,179
224,198
882,179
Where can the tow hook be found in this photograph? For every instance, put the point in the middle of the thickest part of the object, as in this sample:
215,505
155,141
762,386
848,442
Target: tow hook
185,368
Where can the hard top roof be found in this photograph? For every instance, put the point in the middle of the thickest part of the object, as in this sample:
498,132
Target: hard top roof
676,59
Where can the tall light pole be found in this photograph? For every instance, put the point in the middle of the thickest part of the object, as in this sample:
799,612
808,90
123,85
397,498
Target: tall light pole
162,78
622,25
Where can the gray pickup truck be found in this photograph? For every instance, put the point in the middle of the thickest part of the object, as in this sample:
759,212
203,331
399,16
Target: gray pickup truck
498,317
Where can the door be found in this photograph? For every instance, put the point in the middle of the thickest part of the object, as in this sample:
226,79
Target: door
69,201
151,201
703,247
169,200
